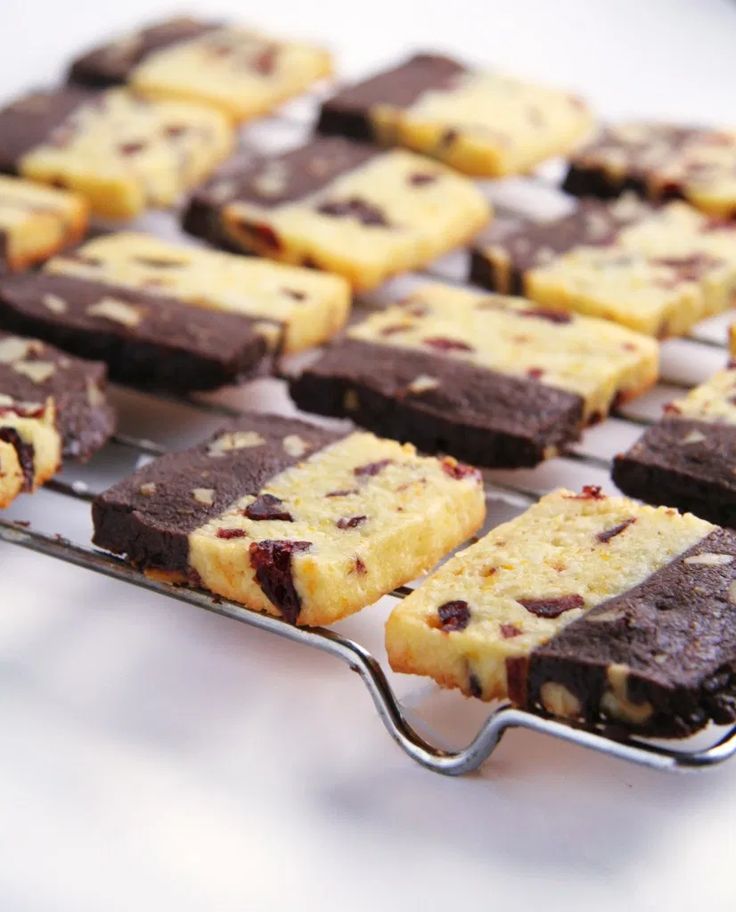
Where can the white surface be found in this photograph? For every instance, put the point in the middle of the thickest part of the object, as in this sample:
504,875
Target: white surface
154,757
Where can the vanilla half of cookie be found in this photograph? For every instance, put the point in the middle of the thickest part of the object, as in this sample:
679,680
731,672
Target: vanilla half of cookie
291,519
590,608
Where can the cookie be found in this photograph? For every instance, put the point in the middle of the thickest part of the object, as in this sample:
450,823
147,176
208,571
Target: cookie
240,71
291,519
145,339
36,222
341,206
50,405
495,380
656,269
119,151
686,460
293,308
588,608
659,161
481,123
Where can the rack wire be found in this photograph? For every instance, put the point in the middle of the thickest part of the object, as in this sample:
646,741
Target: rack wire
520,489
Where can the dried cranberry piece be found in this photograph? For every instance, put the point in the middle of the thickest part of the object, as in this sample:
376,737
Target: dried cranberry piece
231,533
535,373
420,180
589,492
360,567
394,328
474,686
545,313
442,344
271,560
131,148
355,207
342,493
294,293
508,631
175,130
458,470
372,468
264,63
261,233
608,534
351,522
266,506
454,616
159,262
552,607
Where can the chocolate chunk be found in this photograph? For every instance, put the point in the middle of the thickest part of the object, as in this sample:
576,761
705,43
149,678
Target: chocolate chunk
272,562
24,452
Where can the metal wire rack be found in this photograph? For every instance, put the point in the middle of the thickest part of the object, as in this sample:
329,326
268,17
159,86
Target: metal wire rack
704,347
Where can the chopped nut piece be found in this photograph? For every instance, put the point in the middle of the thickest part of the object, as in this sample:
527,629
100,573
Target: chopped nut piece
204,496
294,445
55,304
708,559
235,440
117,311
148,489
558,700
37,371
423,383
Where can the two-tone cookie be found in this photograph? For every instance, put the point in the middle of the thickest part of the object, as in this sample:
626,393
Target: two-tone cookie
291,519
120,151
240,71
589,608
36,222
481,123
495,380
659,161
293,308
50,405
341,206
688,458
655,269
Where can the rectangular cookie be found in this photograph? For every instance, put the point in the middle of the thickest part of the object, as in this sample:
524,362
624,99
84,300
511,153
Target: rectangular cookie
589,608
293,308
145,339
50,405
36,222
118,150
687,459
656,269
495,380
291,519
240,71
659,161
481,123
341,206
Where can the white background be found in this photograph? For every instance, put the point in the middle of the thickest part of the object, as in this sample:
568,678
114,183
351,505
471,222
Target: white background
154,757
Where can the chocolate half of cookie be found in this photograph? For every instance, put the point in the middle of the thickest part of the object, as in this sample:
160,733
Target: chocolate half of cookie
589,608
145,339
291,519
686,460
493,380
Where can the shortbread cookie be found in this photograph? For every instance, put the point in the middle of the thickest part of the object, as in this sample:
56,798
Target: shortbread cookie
120,151
659,161
36,222
242,72
146,339
340,206
655,269
495,380
590,608
50,405
687,459
484,124
293,308
291,519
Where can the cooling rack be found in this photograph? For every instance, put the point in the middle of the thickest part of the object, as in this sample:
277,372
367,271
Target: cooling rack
685,362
